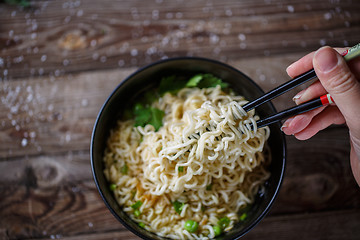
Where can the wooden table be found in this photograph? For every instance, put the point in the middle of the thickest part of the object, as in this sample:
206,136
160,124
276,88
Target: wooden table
59,60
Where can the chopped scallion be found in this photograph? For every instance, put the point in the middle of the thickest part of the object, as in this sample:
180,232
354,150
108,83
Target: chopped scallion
137,212
243,217
178,206
224,222
124,169
137,205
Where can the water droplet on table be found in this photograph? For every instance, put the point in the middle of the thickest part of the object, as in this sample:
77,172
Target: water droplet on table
24,142
290,8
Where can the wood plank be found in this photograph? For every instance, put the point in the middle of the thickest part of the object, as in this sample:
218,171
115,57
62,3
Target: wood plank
47,170
338,224
47,115
59,37
54,195
59,60
302,226
55,114
50,196
318,174
113,235
30,212
73,212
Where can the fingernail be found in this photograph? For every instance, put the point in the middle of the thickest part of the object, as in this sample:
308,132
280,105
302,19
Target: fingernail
290,66
297,96
285,125
326,59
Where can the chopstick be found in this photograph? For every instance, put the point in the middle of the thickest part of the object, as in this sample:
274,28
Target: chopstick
287,86
304,107
303,78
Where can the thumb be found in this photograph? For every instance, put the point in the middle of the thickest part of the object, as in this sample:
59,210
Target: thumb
340,82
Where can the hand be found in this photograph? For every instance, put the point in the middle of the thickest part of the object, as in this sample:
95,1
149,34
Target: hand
341,80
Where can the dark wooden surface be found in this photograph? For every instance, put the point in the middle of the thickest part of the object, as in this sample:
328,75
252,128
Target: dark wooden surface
59,60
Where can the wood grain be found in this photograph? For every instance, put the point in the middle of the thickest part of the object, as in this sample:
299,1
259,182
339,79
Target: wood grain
57,37
60,60
318,175
306,226
55,195
70,215
49,114
302,226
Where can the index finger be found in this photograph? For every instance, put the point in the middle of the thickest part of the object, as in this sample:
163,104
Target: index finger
304,64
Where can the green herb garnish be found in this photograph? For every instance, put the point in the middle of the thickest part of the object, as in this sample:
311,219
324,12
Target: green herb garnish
148,115
209,187
243,216
224,222
142,115
137,212
178,206
141,224
156,118
194,81
171,84
206,81
136,205
181,169
124,169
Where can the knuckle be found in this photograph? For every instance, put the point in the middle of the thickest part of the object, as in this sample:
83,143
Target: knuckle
342,83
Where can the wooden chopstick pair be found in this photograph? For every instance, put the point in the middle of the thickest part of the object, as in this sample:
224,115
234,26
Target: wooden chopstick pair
304,107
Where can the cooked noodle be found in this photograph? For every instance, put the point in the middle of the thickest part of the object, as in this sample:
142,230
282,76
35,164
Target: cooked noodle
204,156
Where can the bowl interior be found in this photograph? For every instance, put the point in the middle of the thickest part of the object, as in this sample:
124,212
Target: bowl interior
150,76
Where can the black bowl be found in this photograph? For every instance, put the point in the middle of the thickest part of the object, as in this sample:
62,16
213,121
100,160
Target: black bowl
149,76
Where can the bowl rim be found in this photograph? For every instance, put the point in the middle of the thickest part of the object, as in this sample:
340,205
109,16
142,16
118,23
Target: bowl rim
143,68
